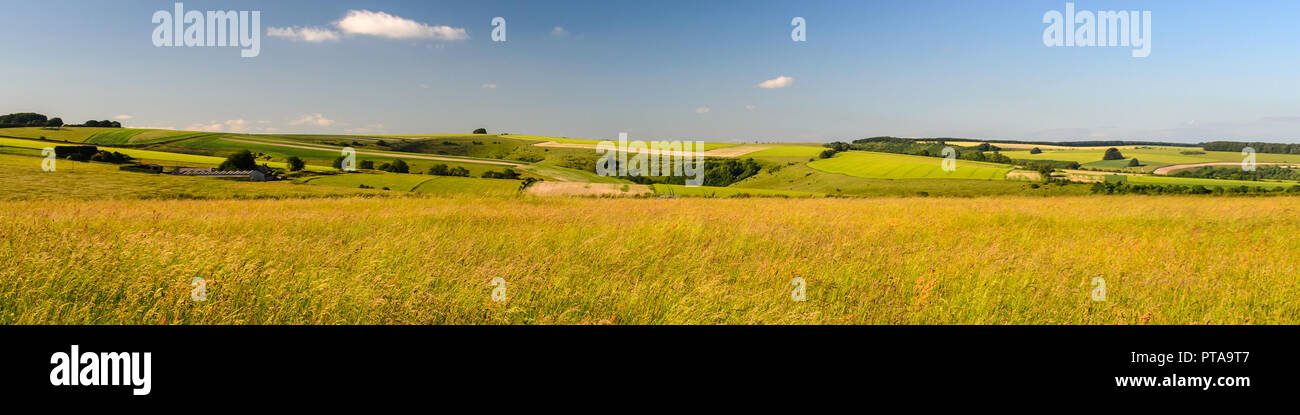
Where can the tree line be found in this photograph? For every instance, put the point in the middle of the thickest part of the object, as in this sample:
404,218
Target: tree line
31,119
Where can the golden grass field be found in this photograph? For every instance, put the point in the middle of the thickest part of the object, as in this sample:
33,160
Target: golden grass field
429,260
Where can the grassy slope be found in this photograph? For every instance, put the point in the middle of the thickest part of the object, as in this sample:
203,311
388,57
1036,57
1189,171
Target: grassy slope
1012,260
419,183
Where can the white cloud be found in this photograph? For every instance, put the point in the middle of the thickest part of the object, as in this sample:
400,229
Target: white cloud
751,107
559,32
490,86
365,22
229,126
313,119
702,110
778,82
305,34
122,117
423,86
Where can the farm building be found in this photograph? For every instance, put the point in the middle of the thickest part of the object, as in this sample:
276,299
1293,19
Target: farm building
254,175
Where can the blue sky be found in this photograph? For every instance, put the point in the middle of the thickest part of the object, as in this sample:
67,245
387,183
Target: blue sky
1217,70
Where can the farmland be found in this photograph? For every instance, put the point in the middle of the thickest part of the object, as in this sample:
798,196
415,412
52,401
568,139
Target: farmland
568,260
1150,157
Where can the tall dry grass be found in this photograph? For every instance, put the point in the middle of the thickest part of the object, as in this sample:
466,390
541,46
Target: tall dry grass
1176,260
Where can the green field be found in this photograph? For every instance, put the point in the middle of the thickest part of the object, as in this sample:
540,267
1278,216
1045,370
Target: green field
899,166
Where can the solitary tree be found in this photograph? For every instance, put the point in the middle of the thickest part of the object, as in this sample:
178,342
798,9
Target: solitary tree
1134,162
480,131
295,163
1036,150
54,122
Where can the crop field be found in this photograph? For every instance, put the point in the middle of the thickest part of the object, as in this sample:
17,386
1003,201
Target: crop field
900,166
593,261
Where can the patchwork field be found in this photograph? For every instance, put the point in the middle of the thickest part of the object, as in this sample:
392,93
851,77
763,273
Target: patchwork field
593,261
900,166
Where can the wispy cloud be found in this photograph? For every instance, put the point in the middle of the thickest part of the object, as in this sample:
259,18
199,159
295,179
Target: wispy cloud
778,82
366,22
559,31
489,86
313,119
751,107
304,34
228,126
122,117
702,110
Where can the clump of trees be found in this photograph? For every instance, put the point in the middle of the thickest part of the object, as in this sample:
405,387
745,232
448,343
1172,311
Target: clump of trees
507,174
1112,154
442,170
1134,162
241,160
480,131
295,163
29,119
397,166
104,123
1035,150
835,147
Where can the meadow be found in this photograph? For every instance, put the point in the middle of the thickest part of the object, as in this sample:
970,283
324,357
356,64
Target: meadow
430,260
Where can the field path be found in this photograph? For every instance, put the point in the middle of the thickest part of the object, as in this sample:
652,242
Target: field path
1166,169
371,153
